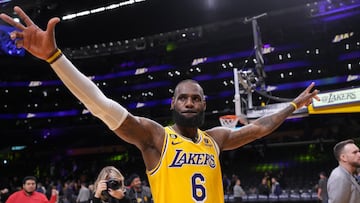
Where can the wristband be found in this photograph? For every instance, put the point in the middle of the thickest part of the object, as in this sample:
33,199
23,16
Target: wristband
294,105
55,56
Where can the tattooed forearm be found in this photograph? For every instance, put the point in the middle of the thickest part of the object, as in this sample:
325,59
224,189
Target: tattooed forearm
269,123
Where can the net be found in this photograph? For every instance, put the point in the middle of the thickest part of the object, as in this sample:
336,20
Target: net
229,121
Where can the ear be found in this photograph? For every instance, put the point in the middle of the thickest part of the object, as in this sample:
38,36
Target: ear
204,101
172,103
342,157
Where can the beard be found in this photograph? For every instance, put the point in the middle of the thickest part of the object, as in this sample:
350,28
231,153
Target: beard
191,122
355,164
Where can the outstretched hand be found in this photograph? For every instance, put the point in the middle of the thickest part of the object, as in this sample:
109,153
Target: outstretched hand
38,42
305,98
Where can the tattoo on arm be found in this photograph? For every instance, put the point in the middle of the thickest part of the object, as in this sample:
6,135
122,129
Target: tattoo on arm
269,123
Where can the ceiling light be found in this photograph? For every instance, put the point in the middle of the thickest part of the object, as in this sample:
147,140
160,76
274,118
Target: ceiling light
99,9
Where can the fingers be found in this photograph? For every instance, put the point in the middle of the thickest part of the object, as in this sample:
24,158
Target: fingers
314,95
18,38
310,87
317,98
51,25
305,98
15,35
308,103
11,21
19,43
23,16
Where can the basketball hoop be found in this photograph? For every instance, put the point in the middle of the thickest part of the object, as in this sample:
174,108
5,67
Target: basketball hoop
229,121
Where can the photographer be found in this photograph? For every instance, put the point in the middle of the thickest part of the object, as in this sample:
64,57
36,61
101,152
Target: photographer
109,186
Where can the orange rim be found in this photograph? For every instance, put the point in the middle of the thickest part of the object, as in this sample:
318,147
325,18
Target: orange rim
228,117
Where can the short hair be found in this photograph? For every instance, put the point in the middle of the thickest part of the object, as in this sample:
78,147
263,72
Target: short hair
29,178
132,177
339,147
188,81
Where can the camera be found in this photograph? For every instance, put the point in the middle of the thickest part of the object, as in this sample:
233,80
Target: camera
113,184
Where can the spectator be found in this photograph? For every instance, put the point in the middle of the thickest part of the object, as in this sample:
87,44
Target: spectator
138,193
239,193
322,188
342,185
69,192
226,182
109,186
84,194
3,193
275,187
264,188
28,194
40,188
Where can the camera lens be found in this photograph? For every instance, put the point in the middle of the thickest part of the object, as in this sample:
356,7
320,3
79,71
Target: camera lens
113,184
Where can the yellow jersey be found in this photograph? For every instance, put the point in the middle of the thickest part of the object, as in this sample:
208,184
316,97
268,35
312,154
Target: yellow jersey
187,171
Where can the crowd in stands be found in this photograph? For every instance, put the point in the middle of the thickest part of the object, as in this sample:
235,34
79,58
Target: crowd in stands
69,188
67,174
79,190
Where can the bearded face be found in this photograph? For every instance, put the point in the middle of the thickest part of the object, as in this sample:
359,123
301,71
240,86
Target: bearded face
188,104
194,121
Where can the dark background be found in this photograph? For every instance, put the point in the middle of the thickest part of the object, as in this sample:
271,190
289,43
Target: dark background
153,30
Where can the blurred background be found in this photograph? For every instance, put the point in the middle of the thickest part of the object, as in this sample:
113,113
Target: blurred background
137,50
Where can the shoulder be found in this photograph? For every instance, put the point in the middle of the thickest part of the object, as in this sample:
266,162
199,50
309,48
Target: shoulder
39,194
219,134
337,172
19,192
124,200
15,194
146,188
337,176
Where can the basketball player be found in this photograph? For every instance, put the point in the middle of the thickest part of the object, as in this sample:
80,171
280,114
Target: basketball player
182,161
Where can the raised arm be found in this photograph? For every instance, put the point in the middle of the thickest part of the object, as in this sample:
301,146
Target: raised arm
142,132
228,139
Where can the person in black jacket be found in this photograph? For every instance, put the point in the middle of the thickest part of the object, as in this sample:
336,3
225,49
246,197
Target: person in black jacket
109,186
138,193
264,188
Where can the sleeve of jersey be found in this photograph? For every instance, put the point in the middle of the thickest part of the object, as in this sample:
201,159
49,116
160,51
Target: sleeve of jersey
109,111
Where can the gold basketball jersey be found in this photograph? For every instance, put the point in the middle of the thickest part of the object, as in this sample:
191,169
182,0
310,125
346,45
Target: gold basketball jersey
187,172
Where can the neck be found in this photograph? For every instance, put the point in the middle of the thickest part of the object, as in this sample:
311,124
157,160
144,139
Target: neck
28,193
187,132
348,168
